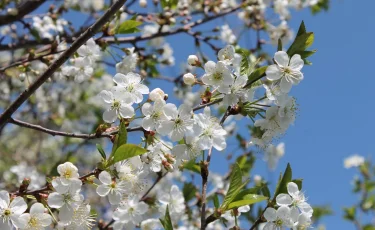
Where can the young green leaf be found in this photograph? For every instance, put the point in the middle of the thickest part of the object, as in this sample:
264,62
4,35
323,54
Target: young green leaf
285,179
189,191
192,166
279,45
256,75
126,151
120,138
301,43
216,201
235,186
167,222
101,151
298,183
247,200
128,27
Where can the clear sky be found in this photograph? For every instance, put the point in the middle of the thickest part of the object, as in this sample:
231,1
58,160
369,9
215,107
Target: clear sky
336,113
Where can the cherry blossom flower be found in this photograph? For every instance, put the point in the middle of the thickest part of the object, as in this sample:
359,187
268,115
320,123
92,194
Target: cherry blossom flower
295,198
227,54
131,210
287,71
179,123
36,219
154,114
111,188
10,211
130,85
116,104
209,131
217,75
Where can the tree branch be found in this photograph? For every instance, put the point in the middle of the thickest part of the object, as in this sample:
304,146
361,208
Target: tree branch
125,40
4,118
65,134
24,8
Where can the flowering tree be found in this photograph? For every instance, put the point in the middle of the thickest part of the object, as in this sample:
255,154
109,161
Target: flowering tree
102,143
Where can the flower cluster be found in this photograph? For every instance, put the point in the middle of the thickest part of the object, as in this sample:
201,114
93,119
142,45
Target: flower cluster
293,211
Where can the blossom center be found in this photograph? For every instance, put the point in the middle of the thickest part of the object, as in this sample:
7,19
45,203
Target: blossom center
33,222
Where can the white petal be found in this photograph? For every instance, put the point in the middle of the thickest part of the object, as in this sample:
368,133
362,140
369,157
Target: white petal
110,116
55,200
4,199
45,219
37,208
296,62
147,109
148,123
281,58
102,190
107,96
142,88
285,85
170,110
18,205
293,189
120,79
270,214
273,73
66,213
165,127
283,199
209,67
114,198
105,178
126,111
270,226
283,212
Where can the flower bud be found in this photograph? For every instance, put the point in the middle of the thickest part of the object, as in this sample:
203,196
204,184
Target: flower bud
22,76
193,60
157,94
169,167
143,3
189,79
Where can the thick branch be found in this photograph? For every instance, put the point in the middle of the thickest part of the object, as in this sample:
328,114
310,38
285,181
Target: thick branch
24,8
4,118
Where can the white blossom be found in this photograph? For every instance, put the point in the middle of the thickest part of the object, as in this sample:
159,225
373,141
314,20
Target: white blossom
36,219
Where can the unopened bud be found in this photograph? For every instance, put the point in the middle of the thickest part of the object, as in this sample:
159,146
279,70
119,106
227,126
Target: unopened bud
170,158
193,60
167,165
143,3
189,79
157,94
22,76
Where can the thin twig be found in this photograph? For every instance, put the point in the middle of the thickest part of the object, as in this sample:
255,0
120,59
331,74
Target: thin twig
4,118
65,134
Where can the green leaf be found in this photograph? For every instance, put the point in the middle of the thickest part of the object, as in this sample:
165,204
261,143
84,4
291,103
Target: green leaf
189,191
266,191
192,166
172,4
235,186
301,29
126,151
248,199
279,45
301,43
368,227
128,27
167,222
350,213
216,201
120,138
101,151
283,181
256,75
246,163
245,62
298,182
320,6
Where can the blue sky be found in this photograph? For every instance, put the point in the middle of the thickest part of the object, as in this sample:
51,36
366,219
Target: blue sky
335,117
